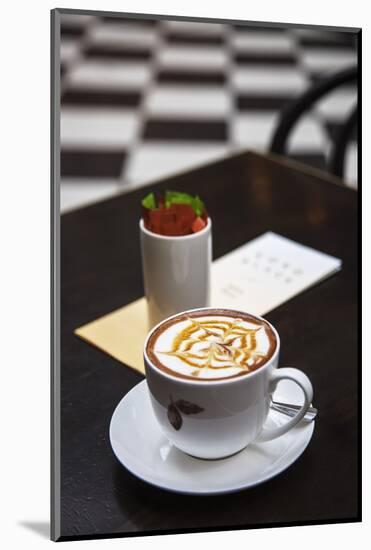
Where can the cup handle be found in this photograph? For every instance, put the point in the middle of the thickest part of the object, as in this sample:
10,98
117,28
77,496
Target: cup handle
301,380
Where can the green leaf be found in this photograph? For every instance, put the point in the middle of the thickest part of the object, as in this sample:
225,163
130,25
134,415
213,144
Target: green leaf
149,202
176,197
198,205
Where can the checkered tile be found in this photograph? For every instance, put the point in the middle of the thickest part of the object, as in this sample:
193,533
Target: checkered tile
142,98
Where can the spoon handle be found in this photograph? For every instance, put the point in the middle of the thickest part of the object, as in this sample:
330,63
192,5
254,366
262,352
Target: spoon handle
291,410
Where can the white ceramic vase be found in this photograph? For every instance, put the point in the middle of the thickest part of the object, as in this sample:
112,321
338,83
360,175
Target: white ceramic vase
176,271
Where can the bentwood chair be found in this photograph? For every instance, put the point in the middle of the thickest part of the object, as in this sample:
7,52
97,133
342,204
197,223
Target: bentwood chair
295,109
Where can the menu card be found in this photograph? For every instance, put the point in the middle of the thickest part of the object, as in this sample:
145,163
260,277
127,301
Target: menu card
266,272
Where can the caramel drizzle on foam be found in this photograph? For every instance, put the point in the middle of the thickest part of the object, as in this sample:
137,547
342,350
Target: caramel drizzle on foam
227,345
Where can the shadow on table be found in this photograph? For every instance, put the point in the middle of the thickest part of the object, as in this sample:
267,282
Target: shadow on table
148,508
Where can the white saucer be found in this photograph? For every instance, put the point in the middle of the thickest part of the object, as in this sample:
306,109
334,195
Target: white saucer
141,447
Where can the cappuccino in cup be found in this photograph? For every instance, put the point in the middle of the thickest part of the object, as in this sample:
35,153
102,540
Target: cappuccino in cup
211,345
211,374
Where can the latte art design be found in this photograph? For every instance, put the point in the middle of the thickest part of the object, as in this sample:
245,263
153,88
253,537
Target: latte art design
213,347
214,344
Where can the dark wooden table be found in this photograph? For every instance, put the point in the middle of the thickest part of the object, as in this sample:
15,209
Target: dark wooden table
246,195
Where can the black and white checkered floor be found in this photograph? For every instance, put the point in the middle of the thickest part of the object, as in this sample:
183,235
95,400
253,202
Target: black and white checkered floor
141,99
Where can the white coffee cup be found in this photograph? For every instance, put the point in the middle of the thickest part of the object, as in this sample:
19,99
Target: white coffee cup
176,271
221,417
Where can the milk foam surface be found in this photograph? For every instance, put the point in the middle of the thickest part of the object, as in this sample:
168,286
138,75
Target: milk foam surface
213,346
